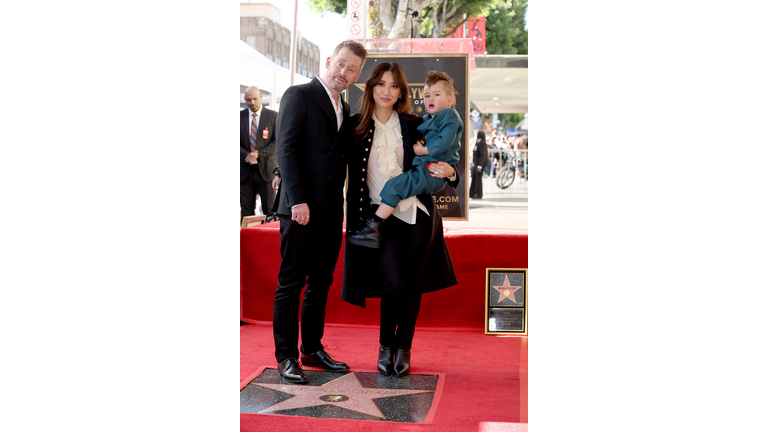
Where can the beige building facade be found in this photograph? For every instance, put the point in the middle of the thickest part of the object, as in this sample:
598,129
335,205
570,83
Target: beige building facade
260,28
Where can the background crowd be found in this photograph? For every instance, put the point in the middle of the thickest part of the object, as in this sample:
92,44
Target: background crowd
489,154
498,156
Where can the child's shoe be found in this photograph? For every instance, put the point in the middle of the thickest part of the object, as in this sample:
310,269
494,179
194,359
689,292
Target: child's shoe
367,236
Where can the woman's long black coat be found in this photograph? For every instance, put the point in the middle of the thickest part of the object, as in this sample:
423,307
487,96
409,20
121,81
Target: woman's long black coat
480,154
479,159
361,264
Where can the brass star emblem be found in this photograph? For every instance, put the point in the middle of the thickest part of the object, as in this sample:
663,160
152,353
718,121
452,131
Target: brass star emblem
345,392
507,290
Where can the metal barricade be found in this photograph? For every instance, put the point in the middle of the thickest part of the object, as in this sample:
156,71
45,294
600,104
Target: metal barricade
510,161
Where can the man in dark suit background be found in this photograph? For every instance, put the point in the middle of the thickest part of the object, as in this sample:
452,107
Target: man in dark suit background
257,154
310,153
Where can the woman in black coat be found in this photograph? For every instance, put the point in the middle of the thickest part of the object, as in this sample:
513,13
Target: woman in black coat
479,163
413,258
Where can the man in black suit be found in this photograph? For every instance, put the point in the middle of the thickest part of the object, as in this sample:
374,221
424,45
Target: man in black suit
257,154
310,153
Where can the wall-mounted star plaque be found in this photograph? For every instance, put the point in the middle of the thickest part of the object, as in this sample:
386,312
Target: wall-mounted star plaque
506,301
350,395
250,221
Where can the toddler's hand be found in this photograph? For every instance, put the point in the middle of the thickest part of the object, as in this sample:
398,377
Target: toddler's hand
420,150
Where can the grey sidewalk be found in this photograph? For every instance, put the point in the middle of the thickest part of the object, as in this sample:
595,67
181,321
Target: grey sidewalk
512,199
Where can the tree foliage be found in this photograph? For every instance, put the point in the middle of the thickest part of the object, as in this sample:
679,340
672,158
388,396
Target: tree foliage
391,18
443,17
505,28
323,6
509,121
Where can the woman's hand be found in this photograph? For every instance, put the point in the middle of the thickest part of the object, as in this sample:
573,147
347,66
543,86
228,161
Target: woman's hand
440,169
276,183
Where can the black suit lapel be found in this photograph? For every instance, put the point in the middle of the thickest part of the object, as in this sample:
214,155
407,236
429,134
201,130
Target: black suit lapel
344,122
244,130
321,96
344,113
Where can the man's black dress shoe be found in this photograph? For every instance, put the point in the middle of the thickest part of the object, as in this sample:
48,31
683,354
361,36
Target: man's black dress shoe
402,364
386,356
290,369
367,236
323,360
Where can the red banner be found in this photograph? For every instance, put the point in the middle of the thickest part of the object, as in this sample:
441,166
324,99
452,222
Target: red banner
475,31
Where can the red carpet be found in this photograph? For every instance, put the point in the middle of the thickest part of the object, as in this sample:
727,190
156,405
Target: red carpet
485,378
485,375
487,240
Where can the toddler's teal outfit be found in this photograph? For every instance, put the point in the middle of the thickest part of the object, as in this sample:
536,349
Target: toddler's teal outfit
442,136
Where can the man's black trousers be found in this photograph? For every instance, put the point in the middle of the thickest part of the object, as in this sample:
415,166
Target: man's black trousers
309,254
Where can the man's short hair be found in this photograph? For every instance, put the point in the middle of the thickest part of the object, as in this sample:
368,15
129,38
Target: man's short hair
355,48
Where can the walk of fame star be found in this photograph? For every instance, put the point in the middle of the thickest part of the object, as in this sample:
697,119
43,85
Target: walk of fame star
506,290
345,392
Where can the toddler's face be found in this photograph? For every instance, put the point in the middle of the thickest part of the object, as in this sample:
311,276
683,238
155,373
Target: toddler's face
436,98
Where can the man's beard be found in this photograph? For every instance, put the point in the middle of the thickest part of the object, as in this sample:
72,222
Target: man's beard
335,84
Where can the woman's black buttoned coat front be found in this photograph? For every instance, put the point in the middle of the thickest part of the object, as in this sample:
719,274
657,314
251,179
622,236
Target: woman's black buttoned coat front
361,265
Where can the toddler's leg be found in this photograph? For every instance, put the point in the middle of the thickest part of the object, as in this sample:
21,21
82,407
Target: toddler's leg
384,211
395,189
368,235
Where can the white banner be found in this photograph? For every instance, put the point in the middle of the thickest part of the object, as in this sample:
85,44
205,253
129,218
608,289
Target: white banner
356,19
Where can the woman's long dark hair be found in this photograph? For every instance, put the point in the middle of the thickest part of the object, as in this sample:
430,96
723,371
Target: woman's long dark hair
480,137
402,105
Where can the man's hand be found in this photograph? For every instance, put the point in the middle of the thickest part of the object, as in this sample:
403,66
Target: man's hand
420,150
252,156
300,214
479,169
275,182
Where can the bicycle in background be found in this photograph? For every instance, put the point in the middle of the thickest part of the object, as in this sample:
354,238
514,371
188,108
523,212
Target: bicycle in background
506,175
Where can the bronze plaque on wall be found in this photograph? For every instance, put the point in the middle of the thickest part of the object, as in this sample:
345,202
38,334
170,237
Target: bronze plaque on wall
506,301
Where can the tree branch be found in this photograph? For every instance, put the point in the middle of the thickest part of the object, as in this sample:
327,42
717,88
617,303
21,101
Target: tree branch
398,29
434,22
419,5
451,10
385,13
456,27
